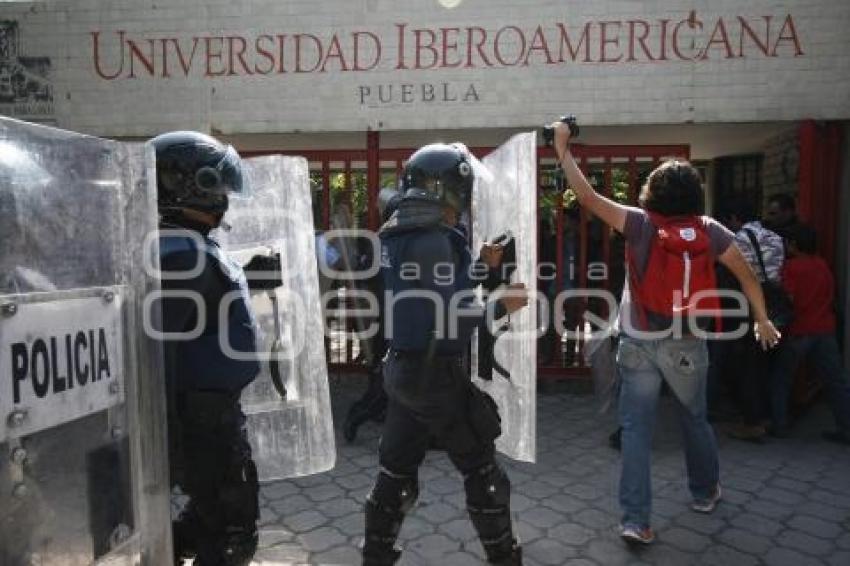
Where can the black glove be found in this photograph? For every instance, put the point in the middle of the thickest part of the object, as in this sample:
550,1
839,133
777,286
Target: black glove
487,361
502,274
263,272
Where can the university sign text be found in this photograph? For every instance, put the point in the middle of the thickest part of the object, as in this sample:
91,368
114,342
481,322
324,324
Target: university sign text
403,47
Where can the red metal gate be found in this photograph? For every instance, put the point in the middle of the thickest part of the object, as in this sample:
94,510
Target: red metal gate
575,251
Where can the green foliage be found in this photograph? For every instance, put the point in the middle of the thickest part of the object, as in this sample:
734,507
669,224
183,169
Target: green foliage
357,195
620,185
618,190
548,196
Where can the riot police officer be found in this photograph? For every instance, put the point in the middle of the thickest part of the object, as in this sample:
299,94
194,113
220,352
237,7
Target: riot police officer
426,262
210,456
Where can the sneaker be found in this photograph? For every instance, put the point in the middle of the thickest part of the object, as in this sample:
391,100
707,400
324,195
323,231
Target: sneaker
708,504
637,535
837,437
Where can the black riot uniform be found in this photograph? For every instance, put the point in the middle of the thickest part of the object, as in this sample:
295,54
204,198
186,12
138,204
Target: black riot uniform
209,453
431,396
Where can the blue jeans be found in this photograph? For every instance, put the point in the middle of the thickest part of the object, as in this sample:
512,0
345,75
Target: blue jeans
719,358
683,364
821,351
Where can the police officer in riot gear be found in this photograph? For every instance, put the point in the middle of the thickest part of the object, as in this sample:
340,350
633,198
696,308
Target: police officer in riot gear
426,262
210,455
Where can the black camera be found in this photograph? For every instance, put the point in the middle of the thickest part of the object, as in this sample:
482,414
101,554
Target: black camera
549,131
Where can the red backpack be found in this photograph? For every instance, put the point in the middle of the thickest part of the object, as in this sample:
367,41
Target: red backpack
680,265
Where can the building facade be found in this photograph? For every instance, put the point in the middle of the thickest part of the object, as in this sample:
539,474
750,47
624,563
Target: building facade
757,93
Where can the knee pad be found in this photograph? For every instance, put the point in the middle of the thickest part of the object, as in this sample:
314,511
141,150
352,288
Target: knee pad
487,488
395,493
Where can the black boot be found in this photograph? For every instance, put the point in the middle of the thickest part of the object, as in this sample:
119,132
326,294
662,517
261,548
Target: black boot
514,559
382,528
187,533
488,493
390,500
185,541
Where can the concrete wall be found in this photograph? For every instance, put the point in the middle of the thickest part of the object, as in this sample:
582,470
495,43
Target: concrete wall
138,67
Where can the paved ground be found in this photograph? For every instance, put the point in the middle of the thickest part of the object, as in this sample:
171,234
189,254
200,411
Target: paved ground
786,502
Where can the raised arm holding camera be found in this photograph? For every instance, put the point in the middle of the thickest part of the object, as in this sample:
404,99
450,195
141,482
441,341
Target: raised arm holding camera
671,247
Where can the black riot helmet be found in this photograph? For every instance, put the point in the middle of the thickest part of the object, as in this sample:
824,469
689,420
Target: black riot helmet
196,171
442,170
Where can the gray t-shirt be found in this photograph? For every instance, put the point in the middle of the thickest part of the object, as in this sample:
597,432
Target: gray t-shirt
639,232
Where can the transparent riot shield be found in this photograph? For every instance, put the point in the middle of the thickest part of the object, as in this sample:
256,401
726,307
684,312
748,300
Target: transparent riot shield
288,405
83,445
505,202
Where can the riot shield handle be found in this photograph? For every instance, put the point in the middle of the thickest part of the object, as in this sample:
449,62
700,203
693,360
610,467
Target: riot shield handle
277,347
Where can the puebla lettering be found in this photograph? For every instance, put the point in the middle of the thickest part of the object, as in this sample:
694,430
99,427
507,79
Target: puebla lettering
408,93
119,55
55,364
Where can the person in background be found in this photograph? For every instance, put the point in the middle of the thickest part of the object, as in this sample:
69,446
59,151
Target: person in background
372,405
546,284
811,336
722,362
752,367
780,215
571,277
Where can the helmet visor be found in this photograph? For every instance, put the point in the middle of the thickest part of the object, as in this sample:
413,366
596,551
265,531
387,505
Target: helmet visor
224,177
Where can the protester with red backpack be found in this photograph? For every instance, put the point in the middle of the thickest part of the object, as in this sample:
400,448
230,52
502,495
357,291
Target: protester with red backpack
671,251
